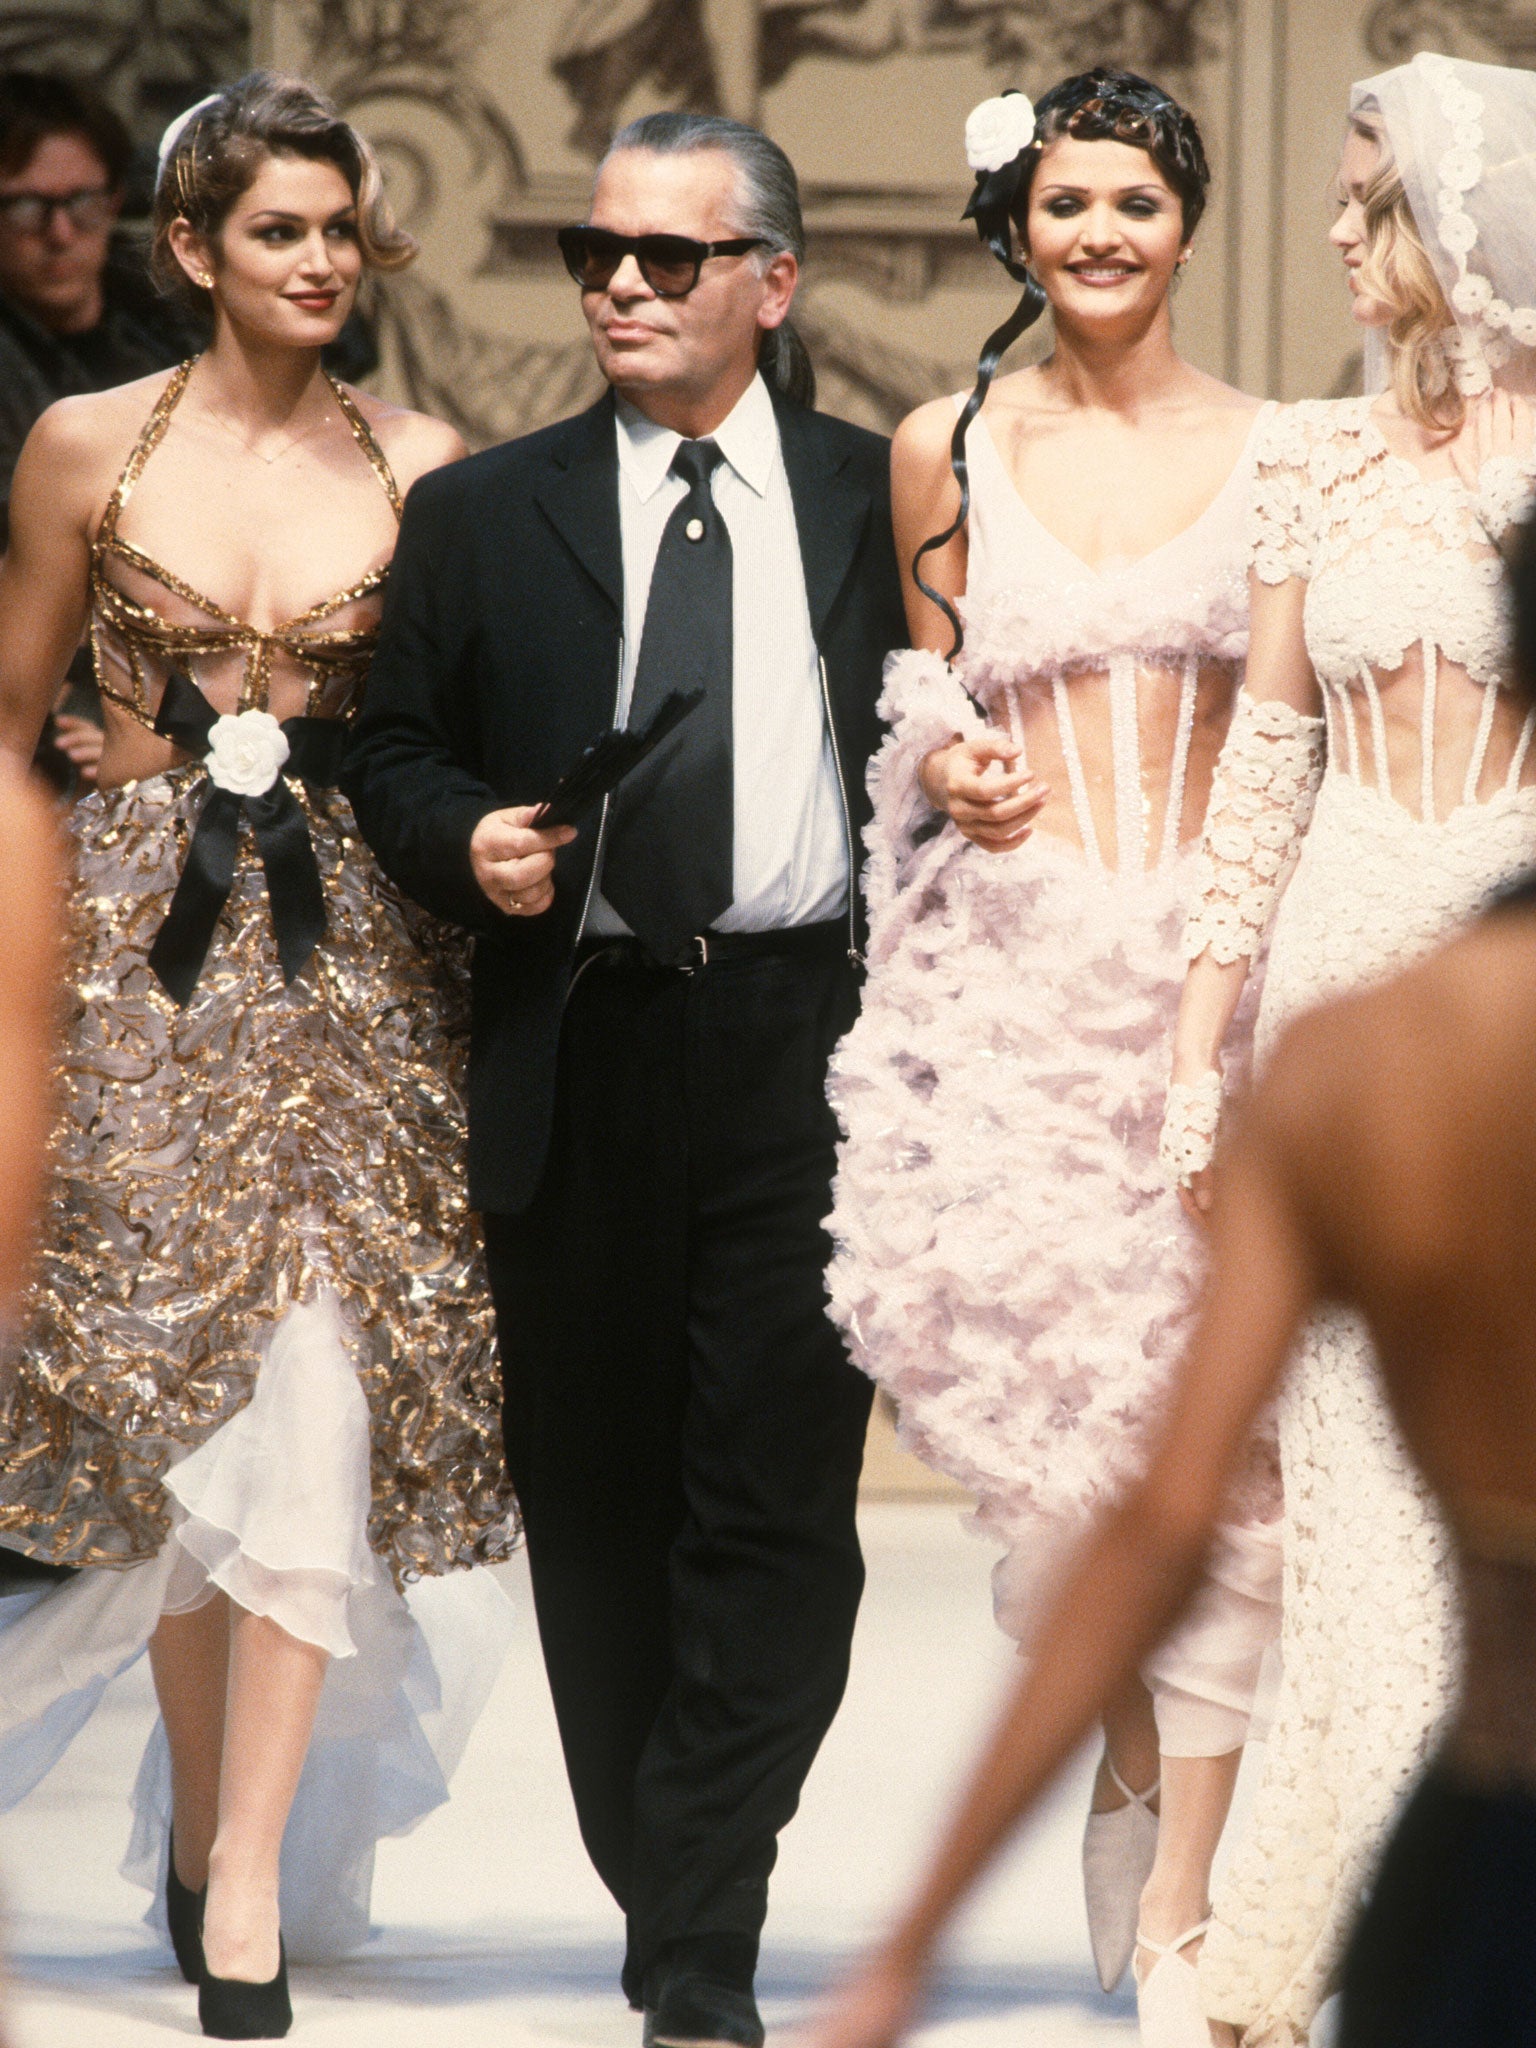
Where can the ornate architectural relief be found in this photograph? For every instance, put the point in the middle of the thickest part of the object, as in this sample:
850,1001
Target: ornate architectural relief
490,116
721,56
1490,31
153,57
422,79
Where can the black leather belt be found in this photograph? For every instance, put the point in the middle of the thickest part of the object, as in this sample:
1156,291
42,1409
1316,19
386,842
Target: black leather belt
711,949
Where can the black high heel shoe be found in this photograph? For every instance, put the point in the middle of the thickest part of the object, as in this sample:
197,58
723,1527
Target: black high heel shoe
184,1913
233,2011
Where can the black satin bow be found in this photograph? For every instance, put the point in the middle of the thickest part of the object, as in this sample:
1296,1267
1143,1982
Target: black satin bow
315,748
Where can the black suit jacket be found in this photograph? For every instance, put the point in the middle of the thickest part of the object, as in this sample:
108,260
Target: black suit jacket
499,659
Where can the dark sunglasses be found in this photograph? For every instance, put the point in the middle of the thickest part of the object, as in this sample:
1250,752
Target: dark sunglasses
670,264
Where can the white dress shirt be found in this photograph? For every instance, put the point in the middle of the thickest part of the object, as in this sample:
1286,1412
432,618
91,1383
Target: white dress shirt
791,848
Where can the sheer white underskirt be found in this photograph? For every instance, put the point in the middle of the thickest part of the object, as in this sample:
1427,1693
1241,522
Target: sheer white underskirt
1214,1680
273,1510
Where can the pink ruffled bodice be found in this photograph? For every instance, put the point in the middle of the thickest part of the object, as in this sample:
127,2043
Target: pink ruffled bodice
1032,608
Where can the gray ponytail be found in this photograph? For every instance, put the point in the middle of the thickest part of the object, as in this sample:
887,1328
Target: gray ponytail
768,207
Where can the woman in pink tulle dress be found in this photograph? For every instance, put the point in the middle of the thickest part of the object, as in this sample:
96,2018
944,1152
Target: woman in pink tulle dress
1011,1263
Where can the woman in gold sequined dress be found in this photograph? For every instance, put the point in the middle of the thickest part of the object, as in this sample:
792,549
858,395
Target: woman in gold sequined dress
257,1379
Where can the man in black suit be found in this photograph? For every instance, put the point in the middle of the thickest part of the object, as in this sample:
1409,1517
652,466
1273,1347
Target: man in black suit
655,998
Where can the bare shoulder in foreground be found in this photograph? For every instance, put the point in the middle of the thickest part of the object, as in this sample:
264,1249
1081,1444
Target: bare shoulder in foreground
1404,1120
30,862
80,445
1432,1065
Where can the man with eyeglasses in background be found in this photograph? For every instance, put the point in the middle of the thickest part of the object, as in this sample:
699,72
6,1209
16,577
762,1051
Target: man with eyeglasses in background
77,312
655,999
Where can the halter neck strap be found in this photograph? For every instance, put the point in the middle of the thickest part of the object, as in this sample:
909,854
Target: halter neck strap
152,433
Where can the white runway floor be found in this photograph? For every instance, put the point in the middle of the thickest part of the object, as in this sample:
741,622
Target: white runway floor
494,1933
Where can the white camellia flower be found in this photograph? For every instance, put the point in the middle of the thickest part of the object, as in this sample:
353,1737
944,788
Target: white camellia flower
246,753
997,130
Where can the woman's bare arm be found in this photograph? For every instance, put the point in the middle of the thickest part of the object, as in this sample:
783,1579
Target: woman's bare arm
924,500
45,574
31,913
1137,1570
975,781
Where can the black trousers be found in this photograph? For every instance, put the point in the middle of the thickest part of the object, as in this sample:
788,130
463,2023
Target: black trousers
1444,1955
683,1427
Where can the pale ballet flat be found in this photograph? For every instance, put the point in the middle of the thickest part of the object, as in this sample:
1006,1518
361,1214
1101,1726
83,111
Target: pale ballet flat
1118,1849
1169,2009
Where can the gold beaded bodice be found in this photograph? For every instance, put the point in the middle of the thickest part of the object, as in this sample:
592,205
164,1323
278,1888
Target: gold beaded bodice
146,643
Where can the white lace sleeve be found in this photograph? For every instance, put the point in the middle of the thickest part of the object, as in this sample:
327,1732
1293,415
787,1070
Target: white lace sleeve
925,706
1506,493
1283,515
1261,804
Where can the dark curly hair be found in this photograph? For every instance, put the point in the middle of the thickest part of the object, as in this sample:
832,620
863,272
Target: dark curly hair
1094,106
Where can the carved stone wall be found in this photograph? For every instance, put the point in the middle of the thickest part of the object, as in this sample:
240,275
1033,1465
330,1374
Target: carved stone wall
490,115
151,57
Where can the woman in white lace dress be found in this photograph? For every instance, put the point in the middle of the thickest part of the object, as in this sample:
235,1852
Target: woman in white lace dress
1378,646
1011,1263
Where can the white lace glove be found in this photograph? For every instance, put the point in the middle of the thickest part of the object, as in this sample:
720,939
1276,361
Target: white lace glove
1190,1123
1261,804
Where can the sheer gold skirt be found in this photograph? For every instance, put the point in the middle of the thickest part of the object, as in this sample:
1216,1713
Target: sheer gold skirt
218,1164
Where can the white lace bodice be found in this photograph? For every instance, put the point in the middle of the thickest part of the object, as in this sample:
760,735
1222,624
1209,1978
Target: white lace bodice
1406,616
1127,657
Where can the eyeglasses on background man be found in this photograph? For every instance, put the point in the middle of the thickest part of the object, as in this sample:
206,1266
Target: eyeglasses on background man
88,209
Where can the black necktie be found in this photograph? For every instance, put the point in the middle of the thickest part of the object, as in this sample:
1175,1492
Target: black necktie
668,857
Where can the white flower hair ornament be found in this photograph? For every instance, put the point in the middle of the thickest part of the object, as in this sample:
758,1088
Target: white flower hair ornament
998,134
997,131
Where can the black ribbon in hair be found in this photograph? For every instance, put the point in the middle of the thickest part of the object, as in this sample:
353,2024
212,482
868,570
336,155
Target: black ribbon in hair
991,206
315,749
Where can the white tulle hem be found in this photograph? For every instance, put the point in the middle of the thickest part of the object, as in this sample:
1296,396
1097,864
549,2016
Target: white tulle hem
273,1510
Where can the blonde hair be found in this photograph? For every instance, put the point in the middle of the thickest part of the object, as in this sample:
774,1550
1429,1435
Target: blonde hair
1396,270
217,155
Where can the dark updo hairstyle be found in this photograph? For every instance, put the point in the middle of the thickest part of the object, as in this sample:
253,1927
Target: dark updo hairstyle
217,155
1094,106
